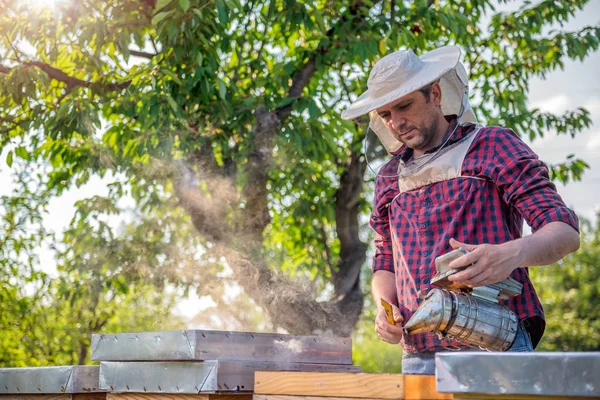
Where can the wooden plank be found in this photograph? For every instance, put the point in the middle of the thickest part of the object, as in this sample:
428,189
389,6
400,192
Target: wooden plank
89,396
230,396
286,397
240,374
416,387
352,385
422,387
155,396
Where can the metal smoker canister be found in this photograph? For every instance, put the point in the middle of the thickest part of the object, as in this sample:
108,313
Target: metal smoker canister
474,321
469,315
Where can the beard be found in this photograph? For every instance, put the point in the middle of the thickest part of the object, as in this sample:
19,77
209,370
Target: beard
421,138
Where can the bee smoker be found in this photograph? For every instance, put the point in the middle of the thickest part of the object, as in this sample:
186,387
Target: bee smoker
469,315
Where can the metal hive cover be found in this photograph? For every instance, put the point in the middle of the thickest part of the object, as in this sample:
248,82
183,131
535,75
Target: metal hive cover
196,376
200,345
48,380
543,373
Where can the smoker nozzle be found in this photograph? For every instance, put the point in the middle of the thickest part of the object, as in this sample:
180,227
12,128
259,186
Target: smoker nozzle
474,321
429,317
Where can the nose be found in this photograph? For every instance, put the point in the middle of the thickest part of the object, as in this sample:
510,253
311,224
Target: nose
398,121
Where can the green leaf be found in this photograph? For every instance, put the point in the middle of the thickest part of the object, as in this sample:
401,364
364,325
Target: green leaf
172,103
173,76
112,139
129,147
313,110
198,13
161,16
222,14
9,158
184,4
63,109
22,153
222,90
285,101
160,4
319,18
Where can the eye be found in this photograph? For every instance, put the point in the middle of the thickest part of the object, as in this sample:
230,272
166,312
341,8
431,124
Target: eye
403,106
385,116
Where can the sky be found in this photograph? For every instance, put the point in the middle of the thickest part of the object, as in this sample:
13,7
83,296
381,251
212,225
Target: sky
578,85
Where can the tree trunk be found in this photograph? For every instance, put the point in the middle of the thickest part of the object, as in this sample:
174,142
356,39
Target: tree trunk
290,305
83,351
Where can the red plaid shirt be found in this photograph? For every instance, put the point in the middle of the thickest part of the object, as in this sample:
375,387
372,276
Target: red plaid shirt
515,186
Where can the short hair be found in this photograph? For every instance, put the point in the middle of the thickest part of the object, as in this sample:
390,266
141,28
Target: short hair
426,90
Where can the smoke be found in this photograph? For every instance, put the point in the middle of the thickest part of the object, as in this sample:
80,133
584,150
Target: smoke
224,235
290,304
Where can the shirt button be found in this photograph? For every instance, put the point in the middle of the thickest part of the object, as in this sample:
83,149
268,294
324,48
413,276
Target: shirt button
424,226
425,254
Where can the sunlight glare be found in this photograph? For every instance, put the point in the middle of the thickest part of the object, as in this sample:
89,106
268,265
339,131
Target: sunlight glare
46,3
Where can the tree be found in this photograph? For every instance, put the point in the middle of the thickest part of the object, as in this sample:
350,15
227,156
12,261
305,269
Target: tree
570,293
230,110
48,319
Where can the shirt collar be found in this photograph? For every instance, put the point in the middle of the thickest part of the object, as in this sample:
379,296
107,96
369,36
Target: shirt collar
405,153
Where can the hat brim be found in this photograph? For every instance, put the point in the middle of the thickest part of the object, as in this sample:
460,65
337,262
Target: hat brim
436,63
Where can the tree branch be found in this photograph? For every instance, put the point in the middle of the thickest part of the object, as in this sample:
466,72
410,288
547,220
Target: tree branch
270,290
299,82
61,76
326,248
17,55
304,74
153,44
142,54
352,249
262,43
5,122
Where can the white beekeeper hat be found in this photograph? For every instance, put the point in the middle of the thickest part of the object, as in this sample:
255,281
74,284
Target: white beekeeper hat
401,73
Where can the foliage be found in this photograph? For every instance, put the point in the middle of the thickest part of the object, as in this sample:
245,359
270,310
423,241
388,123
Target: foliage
570,293
221,118
49,319
370,352
54,329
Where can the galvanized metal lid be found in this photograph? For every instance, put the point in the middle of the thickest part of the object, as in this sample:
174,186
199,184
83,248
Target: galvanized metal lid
47,380
549,374
196,376
206,345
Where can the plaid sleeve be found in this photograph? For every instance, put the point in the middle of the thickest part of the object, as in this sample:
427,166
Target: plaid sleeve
383,259
386,189
524,182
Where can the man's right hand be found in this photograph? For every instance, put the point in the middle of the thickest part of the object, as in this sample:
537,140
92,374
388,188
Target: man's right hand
386,331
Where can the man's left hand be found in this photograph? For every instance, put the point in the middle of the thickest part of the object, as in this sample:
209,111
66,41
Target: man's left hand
491,263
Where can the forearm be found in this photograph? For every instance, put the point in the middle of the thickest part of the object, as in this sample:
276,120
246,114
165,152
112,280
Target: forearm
492,263
383,286
546,246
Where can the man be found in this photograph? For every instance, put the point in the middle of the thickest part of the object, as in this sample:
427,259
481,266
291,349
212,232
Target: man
453,183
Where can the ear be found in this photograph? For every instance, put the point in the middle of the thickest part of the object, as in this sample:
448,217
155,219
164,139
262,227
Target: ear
436,94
